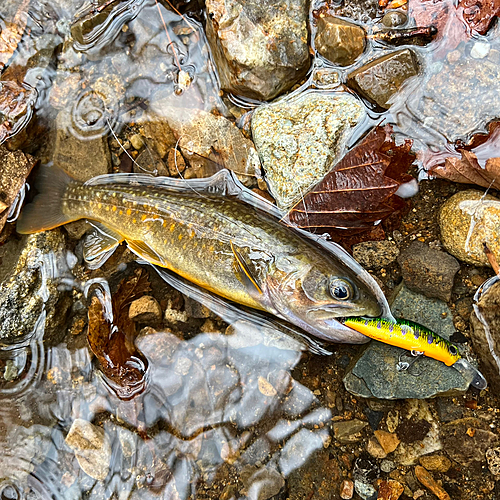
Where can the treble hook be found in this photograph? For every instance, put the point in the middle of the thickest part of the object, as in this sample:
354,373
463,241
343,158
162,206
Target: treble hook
406,365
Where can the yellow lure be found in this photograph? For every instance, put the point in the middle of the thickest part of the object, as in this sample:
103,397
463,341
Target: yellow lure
407,335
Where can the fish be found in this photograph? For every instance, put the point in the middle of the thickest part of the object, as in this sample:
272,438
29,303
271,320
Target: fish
237,250
418,339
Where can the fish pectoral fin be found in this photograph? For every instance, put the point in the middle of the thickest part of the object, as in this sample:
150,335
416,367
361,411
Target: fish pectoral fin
144,251
245,273
99,244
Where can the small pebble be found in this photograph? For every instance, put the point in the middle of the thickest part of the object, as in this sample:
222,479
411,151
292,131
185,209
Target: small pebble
390,490
480,50
429,482
137,141
493,458
438,463
346,489
387,466
394,18
145,310
387,440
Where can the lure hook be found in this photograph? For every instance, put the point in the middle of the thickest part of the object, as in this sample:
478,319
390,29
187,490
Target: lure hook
405,365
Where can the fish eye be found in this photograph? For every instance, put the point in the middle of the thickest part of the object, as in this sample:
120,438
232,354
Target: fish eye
341,289
453,350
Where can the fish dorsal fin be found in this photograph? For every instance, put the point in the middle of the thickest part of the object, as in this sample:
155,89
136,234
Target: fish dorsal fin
144,251
99,244
245,273
223,183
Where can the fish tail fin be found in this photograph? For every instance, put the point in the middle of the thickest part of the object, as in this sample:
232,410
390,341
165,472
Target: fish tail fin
46,211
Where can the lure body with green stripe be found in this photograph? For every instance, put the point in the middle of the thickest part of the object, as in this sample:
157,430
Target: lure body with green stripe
407,335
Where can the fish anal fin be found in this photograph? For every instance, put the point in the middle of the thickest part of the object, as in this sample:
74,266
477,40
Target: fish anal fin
144,251
244,269
99,244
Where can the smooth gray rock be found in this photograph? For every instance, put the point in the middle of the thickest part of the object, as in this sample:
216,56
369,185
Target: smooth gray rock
259,48
374,373
300,139
428,271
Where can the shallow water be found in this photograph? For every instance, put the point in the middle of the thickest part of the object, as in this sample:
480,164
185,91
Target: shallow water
225,412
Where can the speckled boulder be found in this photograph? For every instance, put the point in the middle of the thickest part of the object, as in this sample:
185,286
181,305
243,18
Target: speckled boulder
260,48
300,139
467,221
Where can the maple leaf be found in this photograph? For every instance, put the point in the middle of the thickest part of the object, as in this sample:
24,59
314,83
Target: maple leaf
111,337
360,190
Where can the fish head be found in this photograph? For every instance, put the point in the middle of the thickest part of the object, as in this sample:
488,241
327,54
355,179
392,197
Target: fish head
315,292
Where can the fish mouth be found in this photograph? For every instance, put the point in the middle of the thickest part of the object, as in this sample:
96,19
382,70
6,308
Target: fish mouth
336,321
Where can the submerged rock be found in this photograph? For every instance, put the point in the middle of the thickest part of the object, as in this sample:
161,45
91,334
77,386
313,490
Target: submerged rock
29,288
15,166
339,41
92,448
375,254
468,220
380,79
374,373
300,139
428,271
485,334
210,143
466,440
260,48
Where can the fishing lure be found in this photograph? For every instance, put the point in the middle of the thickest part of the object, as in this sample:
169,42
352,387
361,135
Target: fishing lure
417,339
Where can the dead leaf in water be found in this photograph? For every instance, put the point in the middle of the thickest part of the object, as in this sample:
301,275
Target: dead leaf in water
111,339
359,190
467,170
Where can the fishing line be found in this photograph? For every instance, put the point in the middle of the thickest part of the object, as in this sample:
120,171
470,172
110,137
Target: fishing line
120,144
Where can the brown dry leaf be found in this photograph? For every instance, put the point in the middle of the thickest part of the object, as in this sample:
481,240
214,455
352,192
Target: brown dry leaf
112,339
359,190
12,33
467,170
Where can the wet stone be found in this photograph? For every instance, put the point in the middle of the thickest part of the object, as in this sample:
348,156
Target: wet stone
390,490
374,448
467,440
375,254
261,483
299,140
467,221
260,49
346,489
394,18
92,448
387,440
339,41
380,79
145,310
447,410
28,288
149,162
428,271
72,154
365,491
348,431
429,482
485,334
438,463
